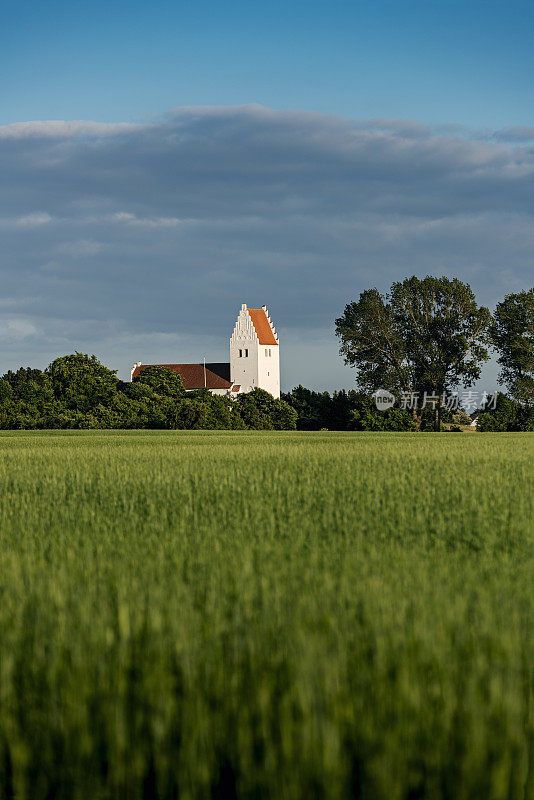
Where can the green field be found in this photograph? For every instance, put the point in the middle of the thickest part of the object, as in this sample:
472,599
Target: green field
266,615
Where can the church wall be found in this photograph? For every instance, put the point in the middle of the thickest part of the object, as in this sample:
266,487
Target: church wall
269,368
253,364
244,368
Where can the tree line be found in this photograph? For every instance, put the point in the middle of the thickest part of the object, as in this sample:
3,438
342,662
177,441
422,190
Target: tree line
427,337
77,391
424,338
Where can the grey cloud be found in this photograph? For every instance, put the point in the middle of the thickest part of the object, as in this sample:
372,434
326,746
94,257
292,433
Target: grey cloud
141,241
517,133
26,220
61,129
80,248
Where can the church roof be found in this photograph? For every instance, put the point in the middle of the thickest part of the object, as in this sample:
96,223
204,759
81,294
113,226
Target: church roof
192,375
262,326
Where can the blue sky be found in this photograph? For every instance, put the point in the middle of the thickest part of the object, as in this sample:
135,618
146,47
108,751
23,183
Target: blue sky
467,62
164,163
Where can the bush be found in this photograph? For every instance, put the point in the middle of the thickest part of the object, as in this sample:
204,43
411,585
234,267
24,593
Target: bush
508,415
344,411
259,410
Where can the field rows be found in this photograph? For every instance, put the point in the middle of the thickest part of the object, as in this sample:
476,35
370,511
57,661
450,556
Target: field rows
281,615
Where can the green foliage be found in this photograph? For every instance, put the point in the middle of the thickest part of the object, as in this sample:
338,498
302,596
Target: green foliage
26,398
78,392
427,334
508,415
444,331
162,381
311,407
274,615
203,410
137,390
261,411
366,416
81,382
371,342
6,392
513,336
345,411
460,417
28,386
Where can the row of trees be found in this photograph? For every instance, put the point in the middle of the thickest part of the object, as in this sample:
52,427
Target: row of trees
357,411
425,337
430,336
77,391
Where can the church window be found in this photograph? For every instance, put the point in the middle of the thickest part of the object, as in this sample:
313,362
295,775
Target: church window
246,353
240,354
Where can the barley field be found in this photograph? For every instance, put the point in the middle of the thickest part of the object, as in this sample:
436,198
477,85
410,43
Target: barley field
266,615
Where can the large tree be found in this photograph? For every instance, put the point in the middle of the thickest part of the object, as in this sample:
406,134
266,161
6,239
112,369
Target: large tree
425,335
81,382
512,334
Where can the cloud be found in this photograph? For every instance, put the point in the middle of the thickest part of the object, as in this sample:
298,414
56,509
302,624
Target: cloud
31,220
13,330
517,133
139,239
123,217
80,248
61,129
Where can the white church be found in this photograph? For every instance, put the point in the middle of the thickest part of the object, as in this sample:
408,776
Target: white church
254,359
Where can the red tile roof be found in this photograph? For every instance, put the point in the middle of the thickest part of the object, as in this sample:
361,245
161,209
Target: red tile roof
262,326
217,374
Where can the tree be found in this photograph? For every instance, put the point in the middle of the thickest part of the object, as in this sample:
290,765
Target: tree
203,410
81,382
259,410
311,407
162,381
512,334
426,335
26,399
508,415
6,392
365,416
29,385
344,411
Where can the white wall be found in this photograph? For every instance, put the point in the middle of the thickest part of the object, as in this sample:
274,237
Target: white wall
269,368
244,369
255,369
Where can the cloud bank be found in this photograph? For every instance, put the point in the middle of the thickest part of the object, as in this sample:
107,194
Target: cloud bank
140,242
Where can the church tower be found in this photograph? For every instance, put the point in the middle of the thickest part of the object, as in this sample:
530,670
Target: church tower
254,352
